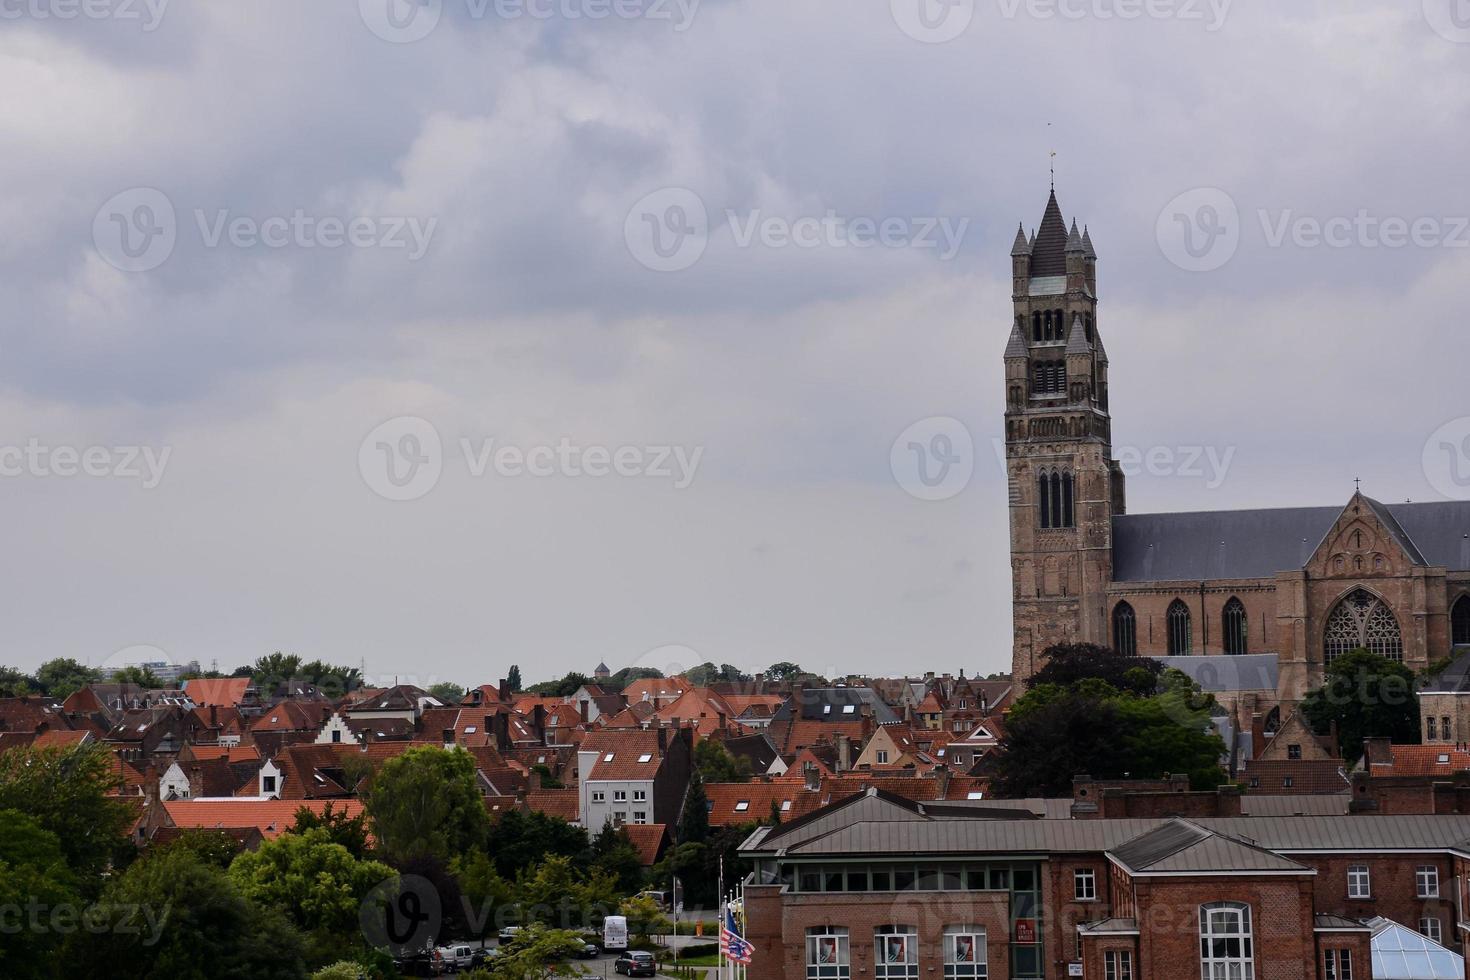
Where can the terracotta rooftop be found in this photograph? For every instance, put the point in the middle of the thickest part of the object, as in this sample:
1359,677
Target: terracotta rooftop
271,817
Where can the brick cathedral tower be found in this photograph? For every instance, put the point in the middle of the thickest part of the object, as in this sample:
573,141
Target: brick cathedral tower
1064,486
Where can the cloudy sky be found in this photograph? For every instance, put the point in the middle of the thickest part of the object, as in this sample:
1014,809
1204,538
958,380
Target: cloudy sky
321,320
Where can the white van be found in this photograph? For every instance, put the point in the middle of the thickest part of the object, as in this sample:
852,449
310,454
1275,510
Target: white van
615,933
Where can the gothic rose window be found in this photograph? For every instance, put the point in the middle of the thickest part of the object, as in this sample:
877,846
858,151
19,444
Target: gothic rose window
1362,621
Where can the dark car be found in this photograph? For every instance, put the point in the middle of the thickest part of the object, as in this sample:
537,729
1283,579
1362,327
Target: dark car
636,964
588,952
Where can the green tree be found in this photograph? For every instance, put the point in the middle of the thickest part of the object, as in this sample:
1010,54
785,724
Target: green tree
1366,696
785,670
694,822
513,678
317,883
537,953
518,840
332,680
275,669
703,675
141,676
16,683
484,890
65,789
448,692
427,802
170,916
563,688
558,889
717,765
350,832
1067,664
33,871
63,676
643,914
212,847
614,853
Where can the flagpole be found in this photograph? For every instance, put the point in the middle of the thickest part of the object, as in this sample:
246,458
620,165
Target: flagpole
720,910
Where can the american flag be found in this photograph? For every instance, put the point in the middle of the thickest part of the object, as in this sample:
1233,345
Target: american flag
732,946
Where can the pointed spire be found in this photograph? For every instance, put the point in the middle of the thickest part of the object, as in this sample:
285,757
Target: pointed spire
1021,247
1087,243
1016,346
1049,254
1074,239
1102,354
1077,342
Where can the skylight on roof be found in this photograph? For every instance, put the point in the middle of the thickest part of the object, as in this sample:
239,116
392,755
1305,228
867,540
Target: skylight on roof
469,729
826,709
974,794
742,806
645,757
848,709
785,805
608,757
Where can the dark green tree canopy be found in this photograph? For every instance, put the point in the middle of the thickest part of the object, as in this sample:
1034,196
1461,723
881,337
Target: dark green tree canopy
427,803
1365,696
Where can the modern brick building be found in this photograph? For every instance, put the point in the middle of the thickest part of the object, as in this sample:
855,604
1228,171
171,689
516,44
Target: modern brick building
885,888
1302,584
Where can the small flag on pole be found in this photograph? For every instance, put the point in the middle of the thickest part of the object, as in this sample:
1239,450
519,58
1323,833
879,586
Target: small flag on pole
732,946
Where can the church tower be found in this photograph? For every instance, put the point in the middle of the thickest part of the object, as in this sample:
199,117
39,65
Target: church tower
1064,485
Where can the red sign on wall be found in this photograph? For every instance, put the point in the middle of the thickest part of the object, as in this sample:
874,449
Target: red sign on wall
1026,931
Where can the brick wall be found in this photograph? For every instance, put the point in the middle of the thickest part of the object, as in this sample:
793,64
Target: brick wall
1281,919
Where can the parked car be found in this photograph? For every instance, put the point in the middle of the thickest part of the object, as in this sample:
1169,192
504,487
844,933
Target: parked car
509,933
615,933
636,963
457,956
588,952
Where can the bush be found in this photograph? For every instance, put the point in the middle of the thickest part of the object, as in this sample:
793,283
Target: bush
341,970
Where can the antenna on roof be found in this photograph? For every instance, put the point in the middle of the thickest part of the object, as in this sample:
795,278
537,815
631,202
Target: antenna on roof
1053,164
1357,485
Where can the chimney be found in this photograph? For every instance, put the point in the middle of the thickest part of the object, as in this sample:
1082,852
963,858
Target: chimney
1377,752
813,778
538,722
663,737
942,776
721,716
844,753
196,783
582,710
150,783
1258,734
502,731
213,716
505,692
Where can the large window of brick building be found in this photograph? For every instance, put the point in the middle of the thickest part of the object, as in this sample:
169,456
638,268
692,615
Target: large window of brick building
1118,965
1237,627
1054,497
1125,630
1181,633
1460,621
1226,947
1358,881
1337,964
1362,620
827,954
964,953
897,952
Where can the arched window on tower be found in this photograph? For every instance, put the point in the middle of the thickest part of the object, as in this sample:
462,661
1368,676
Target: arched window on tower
1087,325
1362,621
1237,627
1181,634
1056,500
1036,328
1125,630
1043,498
1460,622
1069,511
1060,320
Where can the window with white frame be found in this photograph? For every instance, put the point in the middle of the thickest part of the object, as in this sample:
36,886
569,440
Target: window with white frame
598,796
896,952
1429,928
639,795
1084,885
1426,879
1337,964
882,756
1360,884
1118,964
620,796
827,954
964,953
1226,947
640,816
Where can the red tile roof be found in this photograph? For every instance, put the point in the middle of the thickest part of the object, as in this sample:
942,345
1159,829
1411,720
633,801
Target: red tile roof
225,692
561,803
624,753
271,817
1424,760
649,839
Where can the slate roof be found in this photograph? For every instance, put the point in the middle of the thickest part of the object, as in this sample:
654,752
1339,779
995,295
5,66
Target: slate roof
1308,776
1049,253
1180,845
836,704
1259,543
1248,672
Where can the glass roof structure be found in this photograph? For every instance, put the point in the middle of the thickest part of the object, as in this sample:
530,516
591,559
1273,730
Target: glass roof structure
1403,954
